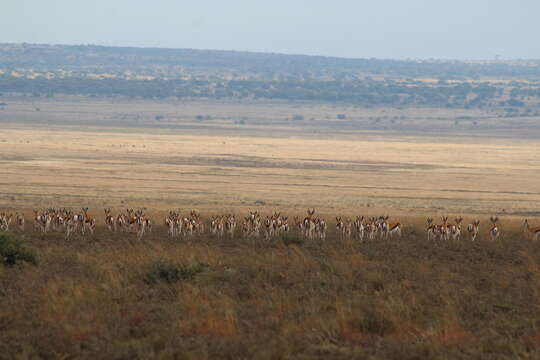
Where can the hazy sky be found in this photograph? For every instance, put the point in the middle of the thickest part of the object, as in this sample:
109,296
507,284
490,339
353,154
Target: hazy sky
470,29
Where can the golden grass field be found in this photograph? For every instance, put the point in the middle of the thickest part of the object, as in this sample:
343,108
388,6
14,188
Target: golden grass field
112,296
214,169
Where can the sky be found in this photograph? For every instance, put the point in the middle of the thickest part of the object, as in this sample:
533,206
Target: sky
400,29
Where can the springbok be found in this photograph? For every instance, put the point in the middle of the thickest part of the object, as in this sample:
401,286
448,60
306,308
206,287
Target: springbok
20,221
494,231
473,229
534,232
431,229
5,220
109,220
395,229
310,225
340,226
88,222
442,229
455,230
359,226
383,227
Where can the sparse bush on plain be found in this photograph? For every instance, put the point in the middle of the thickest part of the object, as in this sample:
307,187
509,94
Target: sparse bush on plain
164,270
291,238
12,251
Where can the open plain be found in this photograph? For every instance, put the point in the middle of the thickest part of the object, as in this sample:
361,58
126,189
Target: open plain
72,154
111,295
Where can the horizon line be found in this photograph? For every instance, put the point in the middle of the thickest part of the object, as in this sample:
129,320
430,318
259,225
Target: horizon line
462,60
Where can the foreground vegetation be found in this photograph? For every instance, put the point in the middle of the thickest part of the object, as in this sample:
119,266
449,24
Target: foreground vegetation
115,297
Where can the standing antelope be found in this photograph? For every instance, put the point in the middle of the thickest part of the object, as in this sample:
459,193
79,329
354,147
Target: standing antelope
431,229
395,229
71,225
473,229
88,222
309,224
109,220
340,226
371,228
534,232
455,230
382,226
20,221
494,231
359,226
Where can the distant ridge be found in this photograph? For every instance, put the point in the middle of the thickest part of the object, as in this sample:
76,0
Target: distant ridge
157,73
44,56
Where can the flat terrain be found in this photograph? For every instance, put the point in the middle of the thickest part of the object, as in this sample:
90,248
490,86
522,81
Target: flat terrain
117,154
111,296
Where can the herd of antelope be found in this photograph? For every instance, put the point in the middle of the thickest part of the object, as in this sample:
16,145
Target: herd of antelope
70,223
446,230
254,225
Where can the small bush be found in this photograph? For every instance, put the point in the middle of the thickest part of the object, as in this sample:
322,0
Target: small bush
12,251
165,270
292,239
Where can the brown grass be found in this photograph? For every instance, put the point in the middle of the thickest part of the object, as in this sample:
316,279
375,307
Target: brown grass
261,299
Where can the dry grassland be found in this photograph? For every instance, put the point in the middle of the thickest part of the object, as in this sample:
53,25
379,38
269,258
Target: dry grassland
111,296
42,168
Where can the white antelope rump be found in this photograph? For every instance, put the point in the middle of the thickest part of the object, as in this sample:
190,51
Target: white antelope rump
19,218
5,221
474,229
431,229
372,228
309,224
344,227
109,220
320,228
252,224
382,226
230,225
41,221
494,231
275,225
455,230
534,232
359,227
217,226
171,222
186,226
340,226
443,229
72,223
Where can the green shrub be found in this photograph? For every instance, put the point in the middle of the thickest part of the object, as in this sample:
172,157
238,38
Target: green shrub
290,238
12,251
165,270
